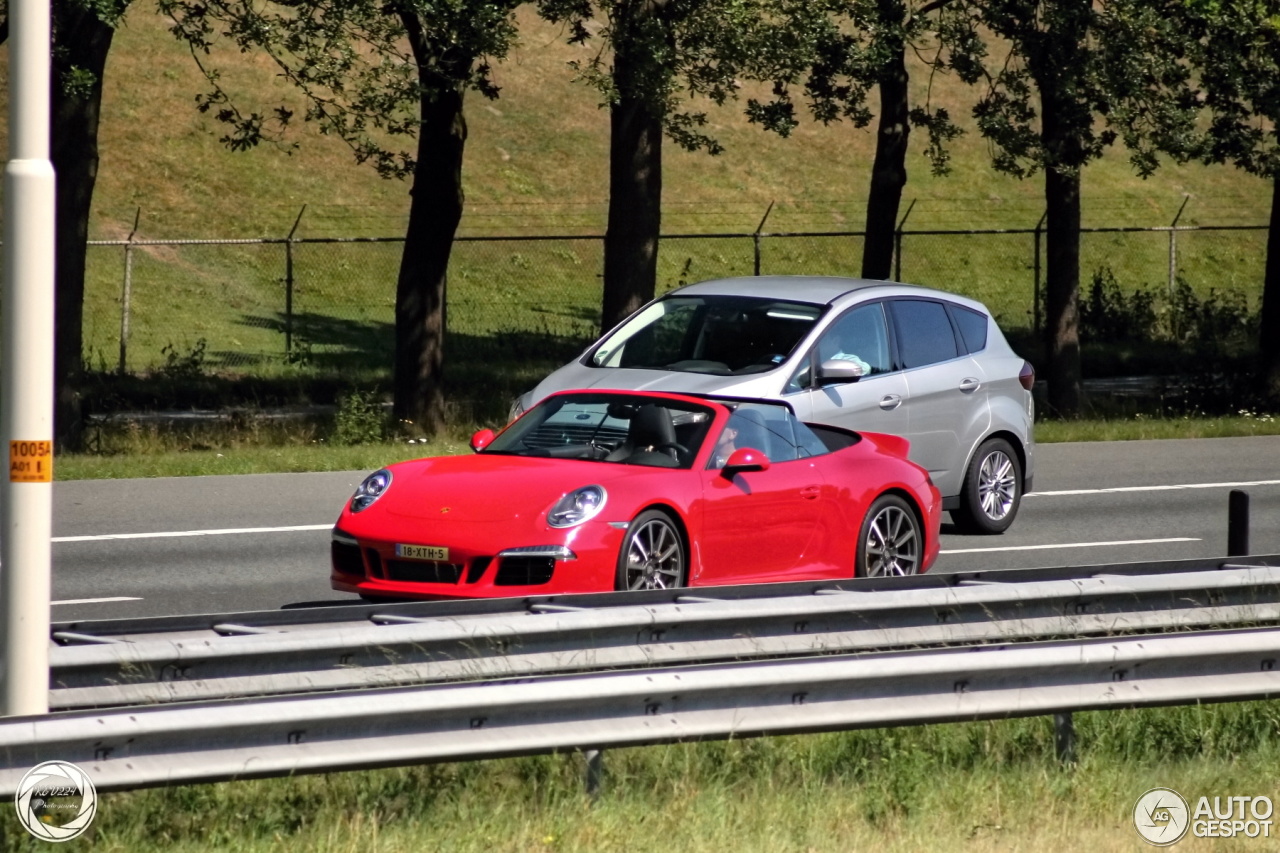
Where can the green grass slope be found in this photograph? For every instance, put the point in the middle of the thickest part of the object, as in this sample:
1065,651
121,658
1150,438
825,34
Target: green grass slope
536,164
536,160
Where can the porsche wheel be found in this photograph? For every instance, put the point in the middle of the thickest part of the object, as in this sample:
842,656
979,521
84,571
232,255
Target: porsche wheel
653,554
992,490
891,542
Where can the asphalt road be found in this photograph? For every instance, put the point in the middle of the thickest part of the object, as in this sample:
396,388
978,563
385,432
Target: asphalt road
125,548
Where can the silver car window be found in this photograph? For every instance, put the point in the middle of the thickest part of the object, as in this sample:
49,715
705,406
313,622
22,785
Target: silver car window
925,335
861,335
973,327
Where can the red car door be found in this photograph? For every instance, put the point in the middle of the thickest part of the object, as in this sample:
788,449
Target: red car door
758,525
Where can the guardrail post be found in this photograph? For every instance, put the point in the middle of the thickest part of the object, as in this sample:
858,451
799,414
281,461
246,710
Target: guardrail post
1237,523
595,773
1064,738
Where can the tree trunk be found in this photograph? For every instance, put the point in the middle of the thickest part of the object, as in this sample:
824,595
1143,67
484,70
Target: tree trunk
1269,330
435,210
889,171
83,42
1062,253
635,192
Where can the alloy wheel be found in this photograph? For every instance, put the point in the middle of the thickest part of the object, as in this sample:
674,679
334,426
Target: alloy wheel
997,485
892,544
655,554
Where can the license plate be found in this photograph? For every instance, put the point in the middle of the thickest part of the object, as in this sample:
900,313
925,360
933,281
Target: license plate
422,552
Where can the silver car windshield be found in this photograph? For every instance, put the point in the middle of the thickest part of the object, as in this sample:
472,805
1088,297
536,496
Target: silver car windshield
719,335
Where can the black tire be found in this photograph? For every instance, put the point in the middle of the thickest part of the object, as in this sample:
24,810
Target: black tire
891,540
992,490
653,554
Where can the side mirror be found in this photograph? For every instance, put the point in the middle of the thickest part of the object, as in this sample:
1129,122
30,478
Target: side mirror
838,370
745,459
481,439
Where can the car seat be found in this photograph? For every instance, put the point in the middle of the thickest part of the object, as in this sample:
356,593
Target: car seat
651,439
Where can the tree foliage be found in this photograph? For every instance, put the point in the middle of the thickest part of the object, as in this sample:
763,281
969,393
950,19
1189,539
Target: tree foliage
1116,69
354,62
693,51
1069,79
82,32
377,75
656,64
853,48
1236,52
850,48
1237,58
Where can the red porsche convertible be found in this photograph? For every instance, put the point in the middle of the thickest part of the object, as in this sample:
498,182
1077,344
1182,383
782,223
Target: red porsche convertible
592,491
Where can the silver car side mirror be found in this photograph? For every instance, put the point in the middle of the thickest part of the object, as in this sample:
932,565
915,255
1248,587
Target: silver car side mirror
838,370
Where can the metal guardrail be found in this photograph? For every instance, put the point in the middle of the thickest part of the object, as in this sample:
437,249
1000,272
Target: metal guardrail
214,741
165,660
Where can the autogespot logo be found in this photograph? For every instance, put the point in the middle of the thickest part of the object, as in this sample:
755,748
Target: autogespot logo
56,801
1161,816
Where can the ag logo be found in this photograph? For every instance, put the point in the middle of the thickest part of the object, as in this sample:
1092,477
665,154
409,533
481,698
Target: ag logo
1161,816
56,801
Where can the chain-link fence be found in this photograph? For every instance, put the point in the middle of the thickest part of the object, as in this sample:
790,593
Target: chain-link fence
275,306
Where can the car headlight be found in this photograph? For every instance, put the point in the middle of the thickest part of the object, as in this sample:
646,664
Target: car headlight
577,506
370,490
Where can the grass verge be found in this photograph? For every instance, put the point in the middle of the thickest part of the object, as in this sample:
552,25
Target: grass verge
959,787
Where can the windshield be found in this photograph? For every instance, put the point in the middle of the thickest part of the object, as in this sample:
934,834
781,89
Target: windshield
721,335
628,429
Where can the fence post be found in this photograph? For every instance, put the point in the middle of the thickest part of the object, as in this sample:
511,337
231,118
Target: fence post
1173,242
756,236
1035,282
897,242
126,292
288,286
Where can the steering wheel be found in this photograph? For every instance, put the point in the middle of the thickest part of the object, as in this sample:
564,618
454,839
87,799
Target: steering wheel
679,449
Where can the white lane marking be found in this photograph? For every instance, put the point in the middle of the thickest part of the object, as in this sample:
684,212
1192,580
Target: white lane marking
97,600
1153,488
180,533
1068,545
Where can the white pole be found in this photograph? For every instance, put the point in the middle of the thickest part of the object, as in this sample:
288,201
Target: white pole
26,365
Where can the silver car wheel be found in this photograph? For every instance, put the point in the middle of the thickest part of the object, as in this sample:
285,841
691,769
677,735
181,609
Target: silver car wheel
654,554
892,543
997,485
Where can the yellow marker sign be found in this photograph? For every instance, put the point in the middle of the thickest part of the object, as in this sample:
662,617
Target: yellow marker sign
31,462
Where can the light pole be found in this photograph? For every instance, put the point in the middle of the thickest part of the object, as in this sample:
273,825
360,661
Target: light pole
26,365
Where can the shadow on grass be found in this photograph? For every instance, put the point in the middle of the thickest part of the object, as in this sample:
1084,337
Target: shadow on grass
331,356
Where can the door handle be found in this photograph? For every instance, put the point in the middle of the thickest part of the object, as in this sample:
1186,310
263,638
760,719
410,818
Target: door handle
890,402
810,492
968,386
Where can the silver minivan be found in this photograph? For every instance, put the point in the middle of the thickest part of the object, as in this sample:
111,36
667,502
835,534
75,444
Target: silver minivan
874,356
